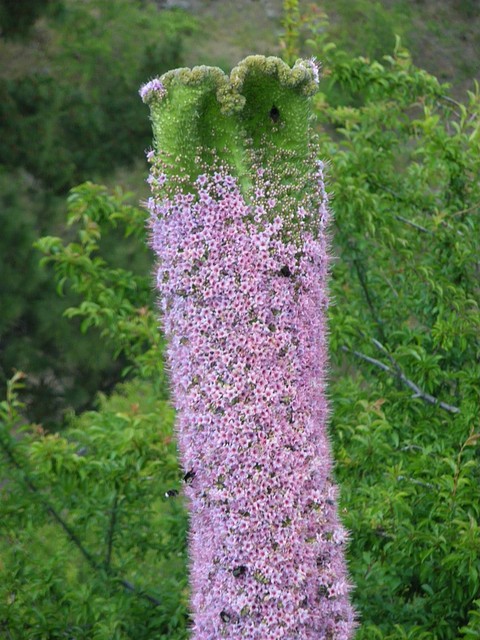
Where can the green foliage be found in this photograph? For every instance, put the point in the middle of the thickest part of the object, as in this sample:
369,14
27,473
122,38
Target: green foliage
33,336
80,112
17,18
371,26
72,114
359,27
90,546
291,24
466,8
117,569
113,299
404,337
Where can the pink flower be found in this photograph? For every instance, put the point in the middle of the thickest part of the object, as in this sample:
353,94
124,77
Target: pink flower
152,88
243,311
315,67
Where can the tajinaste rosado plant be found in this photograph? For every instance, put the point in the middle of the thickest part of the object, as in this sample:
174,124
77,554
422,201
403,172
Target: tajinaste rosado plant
239,226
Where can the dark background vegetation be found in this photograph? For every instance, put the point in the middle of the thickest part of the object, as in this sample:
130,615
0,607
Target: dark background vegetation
69,112
89,546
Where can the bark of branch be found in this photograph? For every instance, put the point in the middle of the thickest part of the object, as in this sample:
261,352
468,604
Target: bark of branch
412,224
398,373
397,196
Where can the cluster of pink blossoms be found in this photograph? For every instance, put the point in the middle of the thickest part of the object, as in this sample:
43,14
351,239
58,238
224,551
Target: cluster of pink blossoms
154,86
243,305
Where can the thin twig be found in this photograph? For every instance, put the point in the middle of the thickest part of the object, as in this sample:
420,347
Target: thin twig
363,283
412,447
418,393
111,531
463,211
48,507
70,533
397,196
398,373
138,592
420,483
451,100
395,364
413,224
373,361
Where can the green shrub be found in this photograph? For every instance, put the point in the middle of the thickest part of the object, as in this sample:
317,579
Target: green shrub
404,338
17,18
91,548
78,115
66,368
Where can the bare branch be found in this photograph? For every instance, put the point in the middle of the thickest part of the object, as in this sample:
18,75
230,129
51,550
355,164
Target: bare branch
138,592
467,210
395,364
451,100
398,373
412,447
420,483
363,283
397,196
413,224
377,363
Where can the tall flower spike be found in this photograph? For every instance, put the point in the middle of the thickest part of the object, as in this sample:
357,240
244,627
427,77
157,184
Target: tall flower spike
238,224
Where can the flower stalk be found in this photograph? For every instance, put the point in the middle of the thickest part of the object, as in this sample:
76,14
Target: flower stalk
239,226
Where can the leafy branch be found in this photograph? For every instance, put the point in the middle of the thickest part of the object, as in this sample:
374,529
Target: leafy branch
114,300
9,416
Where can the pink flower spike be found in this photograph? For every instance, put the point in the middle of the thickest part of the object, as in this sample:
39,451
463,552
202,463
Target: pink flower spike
239,227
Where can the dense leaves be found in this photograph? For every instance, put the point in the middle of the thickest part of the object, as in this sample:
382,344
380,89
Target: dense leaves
114,300
76,112
17,18
90,545
68,113
405,346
